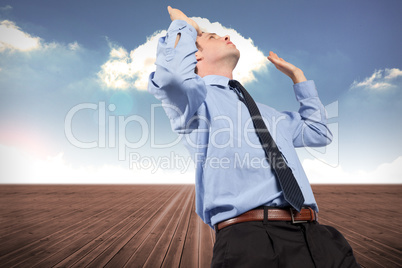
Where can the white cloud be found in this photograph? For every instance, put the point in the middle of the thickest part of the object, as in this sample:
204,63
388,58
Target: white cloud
251,58
125,70
392,73
12,37
319,172
74,46
6,8
54,170
380,80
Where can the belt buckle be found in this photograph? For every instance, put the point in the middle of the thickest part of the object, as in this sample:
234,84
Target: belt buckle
293,218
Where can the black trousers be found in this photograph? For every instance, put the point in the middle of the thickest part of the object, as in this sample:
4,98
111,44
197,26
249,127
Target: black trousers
281,244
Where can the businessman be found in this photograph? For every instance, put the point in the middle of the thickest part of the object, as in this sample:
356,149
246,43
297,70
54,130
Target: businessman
250,185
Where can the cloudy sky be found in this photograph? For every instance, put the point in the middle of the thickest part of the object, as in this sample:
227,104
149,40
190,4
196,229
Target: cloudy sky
73,77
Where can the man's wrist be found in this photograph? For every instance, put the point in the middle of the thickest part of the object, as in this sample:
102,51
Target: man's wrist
305,90
298,76
183,27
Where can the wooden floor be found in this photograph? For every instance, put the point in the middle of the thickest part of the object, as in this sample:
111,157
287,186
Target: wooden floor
156,226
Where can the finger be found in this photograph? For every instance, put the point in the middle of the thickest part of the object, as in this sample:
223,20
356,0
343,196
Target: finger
170,10
273,57
270,56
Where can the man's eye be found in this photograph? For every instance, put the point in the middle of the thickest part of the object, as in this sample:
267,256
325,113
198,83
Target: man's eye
211,37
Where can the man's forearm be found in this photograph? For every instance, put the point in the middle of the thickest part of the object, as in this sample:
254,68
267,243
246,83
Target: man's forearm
312,129
174,82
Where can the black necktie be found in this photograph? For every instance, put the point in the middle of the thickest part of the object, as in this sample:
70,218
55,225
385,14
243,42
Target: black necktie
290,187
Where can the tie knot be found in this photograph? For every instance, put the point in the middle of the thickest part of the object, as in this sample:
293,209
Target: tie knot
234,83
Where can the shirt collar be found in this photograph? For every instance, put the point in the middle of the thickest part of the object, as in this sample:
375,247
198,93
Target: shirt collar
217,80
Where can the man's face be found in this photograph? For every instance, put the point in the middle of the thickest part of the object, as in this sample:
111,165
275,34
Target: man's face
214,48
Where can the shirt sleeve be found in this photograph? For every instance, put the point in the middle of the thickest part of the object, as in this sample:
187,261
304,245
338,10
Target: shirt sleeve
174,82
309,124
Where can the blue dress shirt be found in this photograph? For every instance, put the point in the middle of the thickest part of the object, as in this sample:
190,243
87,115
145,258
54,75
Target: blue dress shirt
232,173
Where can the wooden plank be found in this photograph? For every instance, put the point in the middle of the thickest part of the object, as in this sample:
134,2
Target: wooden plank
369,228
156,257
109,250
190,254
377,252
174,253
140,244
360,212
76,229
33,208
39,231
93,235
92,225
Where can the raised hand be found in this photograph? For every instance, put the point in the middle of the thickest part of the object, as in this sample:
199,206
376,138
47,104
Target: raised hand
287,68
176,14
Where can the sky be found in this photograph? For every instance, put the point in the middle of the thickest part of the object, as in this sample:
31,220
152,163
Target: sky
73,77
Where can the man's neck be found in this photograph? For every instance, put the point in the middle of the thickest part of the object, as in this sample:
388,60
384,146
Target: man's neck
221,73
214,70
222,68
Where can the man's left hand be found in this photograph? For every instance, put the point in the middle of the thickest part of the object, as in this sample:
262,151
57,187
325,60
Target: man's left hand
287,68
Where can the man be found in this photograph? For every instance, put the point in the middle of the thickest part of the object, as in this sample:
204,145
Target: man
238,190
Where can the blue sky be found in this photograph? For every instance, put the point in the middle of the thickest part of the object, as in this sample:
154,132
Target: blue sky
73,78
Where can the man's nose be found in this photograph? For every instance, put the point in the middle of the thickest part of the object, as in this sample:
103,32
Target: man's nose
226,38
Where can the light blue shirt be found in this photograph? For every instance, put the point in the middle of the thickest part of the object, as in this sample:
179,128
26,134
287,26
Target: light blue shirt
232,173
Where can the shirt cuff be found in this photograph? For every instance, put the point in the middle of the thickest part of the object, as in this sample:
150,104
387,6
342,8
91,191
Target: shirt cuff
305,90
183,27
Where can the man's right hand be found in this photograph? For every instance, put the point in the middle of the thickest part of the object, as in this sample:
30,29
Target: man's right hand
176,14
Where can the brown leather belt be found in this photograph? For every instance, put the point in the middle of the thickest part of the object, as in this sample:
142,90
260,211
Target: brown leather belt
274,214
